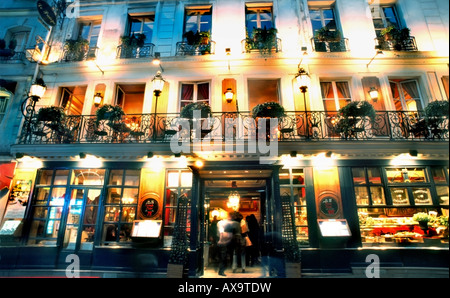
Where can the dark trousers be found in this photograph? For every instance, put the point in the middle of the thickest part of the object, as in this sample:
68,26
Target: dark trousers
223,254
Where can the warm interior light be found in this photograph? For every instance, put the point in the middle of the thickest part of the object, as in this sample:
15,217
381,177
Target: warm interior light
98,99
233,198
157,60
373,92
199,163
229,94
89,161
28,162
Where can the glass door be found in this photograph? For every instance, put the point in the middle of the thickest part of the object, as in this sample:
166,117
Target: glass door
81,218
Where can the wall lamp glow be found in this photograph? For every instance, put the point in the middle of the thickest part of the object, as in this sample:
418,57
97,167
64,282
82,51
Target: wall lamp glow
98,98
373,93
229,95
157,60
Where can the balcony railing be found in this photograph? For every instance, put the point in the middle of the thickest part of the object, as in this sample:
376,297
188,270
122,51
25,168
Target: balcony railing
407,44
295,126
183,49
249,46
135,52
7,56
330,46
80,55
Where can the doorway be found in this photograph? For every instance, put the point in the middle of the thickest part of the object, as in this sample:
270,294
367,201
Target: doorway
247,194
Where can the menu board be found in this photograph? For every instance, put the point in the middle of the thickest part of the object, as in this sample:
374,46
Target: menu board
334,227
146,228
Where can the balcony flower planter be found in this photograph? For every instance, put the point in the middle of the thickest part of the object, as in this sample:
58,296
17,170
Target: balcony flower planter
188,110
399,38
353,117
112,115
198,42
263,40
76,50
436,113
268,110
324,34
7,52
131,44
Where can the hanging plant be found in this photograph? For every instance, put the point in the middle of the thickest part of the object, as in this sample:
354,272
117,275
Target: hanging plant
352,118
112,114
268,109
262,39
77,48
188,110
52,114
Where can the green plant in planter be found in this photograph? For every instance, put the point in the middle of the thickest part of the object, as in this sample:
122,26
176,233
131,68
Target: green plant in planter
398,37
77,48
353,114
421,217
325,34
188,110
268,109
52,114
436,113
113,116
262,39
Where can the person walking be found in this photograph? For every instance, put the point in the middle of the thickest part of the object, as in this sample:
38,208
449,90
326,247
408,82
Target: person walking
225,241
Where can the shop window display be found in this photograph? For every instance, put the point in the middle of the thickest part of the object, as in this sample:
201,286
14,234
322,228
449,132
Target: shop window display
389,203
120,206
292,184
178,183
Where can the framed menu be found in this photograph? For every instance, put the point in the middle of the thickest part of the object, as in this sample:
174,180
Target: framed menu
146,228
334,227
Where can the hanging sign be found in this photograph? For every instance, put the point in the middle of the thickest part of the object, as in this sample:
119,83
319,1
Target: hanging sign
46,13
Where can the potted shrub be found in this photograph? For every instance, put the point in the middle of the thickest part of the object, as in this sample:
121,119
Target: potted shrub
130,43
113,116
52,114
352,118
76,49
7,52
188,110
325,34
269,110
436,113
263,40
398,37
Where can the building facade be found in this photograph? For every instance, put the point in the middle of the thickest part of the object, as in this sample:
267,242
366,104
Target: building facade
111,167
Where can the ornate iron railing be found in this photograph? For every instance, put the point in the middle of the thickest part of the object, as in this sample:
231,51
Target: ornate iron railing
295,126
135,52
248,47
80,55
407,45
330,46
183,49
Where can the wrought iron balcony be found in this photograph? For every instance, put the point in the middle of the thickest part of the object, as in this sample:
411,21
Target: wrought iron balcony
249,46
391,44
330,46
7,56
294,127
80,55
135,52
183,49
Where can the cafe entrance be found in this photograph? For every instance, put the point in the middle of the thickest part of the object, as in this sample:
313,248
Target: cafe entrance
247,194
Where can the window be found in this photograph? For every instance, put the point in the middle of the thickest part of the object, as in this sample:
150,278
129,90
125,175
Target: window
47,207
335,94
383,17
178,184
72,99
142,25
322,17
5,96
130,98
194,92
90,31
258,16
406,95
120,206
292,184
387,200
198,19
261,91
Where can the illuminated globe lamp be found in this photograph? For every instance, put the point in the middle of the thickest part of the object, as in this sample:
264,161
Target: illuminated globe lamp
229,94
37,90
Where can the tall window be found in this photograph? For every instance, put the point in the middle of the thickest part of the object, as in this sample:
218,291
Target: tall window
198,19
406,95
322,17
335,94
90,31
178,184
258,17
130,97
5,96
120,206
292,185
383,17
194,92
142,25
72,99
261,91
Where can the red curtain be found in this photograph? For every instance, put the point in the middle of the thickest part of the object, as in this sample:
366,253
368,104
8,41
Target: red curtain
6,174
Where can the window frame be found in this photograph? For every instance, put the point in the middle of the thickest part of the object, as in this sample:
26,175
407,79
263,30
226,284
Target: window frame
384,19
194,93
336,98
142,18
258,9
197,11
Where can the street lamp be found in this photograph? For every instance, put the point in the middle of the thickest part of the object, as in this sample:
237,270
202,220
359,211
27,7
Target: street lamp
37,91
158,85
303,81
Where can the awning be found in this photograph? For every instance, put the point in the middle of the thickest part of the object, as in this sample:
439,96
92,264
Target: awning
6,174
